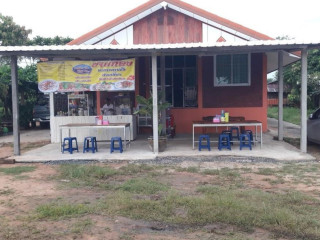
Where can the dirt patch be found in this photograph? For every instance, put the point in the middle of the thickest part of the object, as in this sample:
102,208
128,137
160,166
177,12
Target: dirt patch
21,195
6,149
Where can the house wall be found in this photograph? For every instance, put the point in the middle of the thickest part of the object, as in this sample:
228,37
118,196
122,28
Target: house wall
167,26
233,96
250,101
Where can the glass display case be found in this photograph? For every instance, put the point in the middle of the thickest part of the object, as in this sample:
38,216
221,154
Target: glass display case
78,105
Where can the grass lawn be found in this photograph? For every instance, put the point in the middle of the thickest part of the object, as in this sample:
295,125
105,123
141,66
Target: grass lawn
162,202
290,114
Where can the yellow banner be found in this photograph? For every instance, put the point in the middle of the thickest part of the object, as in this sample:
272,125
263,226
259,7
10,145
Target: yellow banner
75,76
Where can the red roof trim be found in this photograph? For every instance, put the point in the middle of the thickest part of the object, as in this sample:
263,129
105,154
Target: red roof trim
114,42
178,3
221,39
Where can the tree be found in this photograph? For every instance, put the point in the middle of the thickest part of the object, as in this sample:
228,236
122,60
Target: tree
5,92
12,34
292,77
43,41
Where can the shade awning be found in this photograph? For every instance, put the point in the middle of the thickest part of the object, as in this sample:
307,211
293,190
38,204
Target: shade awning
84,52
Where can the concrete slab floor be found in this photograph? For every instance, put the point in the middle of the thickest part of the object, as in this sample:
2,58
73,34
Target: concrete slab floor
180,146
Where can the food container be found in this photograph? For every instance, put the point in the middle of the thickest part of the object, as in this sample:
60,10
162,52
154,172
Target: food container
105,122
216,120
97,119
226,117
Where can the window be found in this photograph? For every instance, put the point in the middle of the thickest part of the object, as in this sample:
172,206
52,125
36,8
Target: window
180,80
232,70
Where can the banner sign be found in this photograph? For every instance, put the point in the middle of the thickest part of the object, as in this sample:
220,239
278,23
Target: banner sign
76,76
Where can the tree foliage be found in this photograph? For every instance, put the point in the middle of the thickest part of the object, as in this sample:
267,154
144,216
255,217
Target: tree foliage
43,41
12,34
292,77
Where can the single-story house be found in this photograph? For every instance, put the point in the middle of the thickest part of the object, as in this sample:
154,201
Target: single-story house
202,62
196,85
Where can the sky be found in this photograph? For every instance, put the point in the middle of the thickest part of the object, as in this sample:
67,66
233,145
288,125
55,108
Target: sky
72,18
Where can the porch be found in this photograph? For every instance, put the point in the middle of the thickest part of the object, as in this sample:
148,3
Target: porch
178,149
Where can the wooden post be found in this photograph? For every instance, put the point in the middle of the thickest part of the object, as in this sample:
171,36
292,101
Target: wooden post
303,101
15,106
155,104
280,95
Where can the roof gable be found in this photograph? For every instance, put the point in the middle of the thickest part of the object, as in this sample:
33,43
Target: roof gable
152,6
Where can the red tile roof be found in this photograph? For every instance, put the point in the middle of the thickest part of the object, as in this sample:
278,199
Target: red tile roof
178,3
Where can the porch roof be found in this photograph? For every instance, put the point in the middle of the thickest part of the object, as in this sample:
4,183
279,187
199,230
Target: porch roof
84,52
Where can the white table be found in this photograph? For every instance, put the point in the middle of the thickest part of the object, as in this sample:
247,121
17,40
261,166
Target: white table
86,126
247,123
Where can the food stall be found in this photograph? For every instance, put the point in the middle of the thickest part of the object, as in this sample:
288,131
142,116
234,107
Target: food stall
80,89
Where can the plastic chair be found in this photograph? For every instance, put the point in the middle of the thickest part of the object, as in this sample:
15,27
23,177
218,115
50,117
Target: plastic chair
87,146
113,140
245,141
224,141
207,145
67,144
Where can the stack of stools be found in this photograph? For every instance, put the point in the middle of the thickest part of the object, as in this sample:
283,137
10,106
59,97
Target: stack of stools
207,144
67,144
237,135
90,143
113,140
224,141
245,140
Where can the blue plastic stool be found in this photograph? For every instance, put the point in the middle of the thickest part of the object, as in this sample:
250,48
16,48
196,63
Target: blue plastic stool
224,141
207,145
87,146
245,141
237,135
230,135
68,146
113,140
251,135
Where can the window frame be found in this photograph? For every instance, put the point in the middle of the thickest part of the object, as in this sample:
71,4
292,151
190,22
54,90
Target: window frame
215,81
184,69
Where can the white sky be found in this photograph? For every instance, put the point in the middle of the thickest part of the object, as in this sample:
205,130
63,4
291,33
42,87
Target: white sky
73,18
